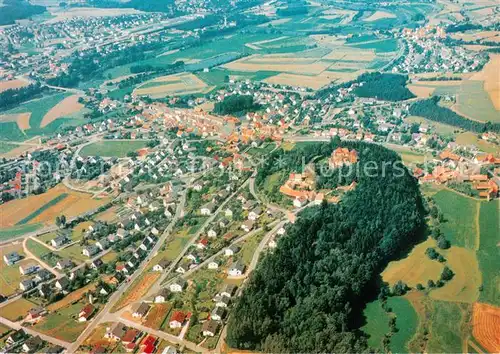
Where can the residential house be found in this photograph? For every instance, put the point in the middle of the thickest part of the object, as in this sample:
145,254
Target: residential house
130,336
231,250
121,233
45,290
29,268
248,225
62,283
178,285
177,319
255,214
32,344
15,337
218,313
116,332
162,265
162,296
183,267
85,313
212,233
213,265
42,275
207,209
90,250
202,244
35,314
209,328
96,263
140,310
64,263
11,258
54,349
223,301
26,284
102,244
228,290
236,269
60,240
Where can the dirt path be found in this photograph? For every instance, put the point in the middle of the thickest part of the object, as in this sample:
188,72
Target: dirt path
42,263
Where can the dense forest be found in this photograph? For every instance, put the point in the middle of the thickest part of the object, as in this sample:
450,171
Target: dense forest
13,10
387,87
309,294
13,97
237,105
431,110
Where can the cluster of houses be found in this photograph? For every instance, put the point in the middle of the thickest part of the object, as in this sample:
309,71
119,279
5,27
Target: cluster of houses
133,340
20,341
427,52
36,273
452,167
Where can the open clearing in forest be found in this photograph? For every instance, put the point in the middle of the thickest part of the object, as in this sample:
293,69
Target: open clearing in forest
66,107
75,203
486,325
172,85
414,269
12,84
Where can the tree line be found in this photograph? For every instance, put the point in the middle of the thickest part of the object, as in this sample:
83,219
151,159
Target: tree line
13,97
431,110
309,293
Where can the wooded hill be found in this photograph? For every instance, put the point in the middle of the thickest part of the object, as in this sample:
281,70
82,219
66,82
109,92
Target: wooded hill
309,294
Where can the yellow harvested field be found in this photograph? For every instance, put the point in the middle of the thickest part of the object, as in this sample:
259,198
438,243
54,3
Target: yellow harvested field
66,107
378,15
314,82
172,85
351,54
22,119
12,84
486,326
464,287
415,268
476,47
489,36
173,51
491,77
307,66
75,203
87,12
346,14
421,91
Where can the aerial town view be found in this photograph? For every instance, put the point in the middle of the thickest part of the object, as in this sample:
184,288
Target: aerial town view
239,176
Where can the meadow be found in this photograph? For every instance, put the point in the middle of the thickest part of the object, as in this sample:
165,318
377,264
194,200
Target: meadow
460,214
38,109
62,323
17,309
112,148
15,231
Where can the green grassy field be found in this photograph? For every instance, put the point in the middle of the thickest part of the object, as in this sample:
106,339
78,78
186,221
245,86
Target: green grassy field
382,46
11,232
377,324
112,148
406,323
37,249
38,108
445,328
489,252
460,214
6,147
62,323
